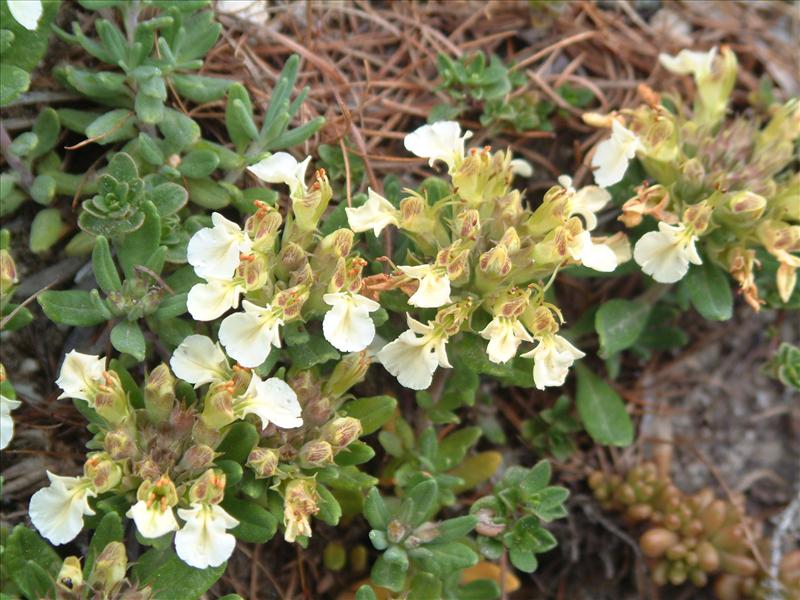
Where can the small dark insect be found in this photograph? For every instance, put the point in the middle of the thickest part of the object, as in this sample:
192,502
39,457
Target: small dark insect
67,581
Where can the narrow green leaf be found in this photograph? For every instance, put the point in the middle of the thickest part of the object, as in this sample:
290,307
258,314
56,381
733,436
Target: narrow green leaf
372,411
137,247
46,229
105,271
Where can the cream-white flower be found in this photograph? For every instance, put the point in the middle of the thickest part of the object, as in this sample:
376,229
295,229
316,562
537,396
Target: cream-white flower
214,251
347,325
57,511
612,155
152,521
203,541
665,254
282,167
434,286
199,360
376,213
80,375
586,202
248,336
413,359
26,12
552,358
210,300
272,401
254,11
6,420
595,256
698,64
504,335
439,141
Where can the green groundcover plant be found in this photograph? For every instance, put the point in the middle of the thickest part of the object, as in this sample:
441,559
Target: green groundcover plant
260,332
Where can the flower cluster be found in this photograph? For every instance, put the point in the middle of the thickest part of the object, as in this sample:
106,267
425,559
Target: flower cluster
483,260
161,449
723,182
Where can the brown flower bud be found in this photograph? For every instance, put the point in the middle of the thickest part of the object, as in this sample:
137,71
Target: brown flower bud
316,453
109,568
159,394
342,431
263,462
196,458
103,472
209,488
120,444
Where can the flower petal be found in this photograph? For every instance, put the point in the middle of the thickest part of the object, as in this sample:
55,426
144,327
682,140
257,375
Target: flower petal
199,360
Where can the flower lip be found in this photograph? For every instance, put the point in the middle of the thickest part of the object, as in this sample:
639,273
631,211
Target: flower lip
26,12
347,325
203,541
440,141
57,511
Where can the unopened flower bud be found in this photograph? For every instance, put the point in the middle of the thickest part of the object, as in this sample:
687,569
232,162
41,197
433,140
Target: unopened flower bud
109,568
511,240
349,371
342,431
8,272
209,488
495,262
693,173
70,577
396,531
291,256
291,301
318,410
146,469
203,434
316,453
424,534
218,406
159,394
745,207
541,321
417,216
698,216
308,208
263,462
111,401
120,444
253,270
468,224
103,472
262,227
339,243
196,458
486,524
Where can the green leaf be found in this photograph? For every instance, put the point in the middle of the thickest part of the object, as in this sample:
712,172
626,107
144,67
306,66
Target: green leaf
375,510
109,530
199,163
355,454
522,559
710,291
365,592
454,447
329,509
372,411
43,189
46,230
619,324
169,198
22,548
424,586
170,577
602,410
390,569
112,127
481,589
172,306
537,479
13,82
47,128
422,498
317,351
179,131
199,88
455,529
105,271
238,117
127,337
208,194
233,472
256,524
443,559
137,247
72,307
240,439
36,580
